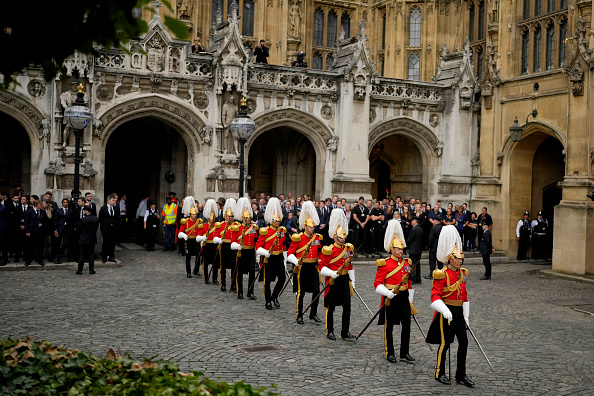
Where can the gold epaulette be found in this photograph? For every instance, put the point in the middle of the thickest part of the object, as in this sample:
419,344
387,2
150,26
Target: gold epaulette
409,261
184,221
218,224
235,227
256,227
296,237
283,229
380,262
321,237
350,247
264,231
465,271
327,250
438,274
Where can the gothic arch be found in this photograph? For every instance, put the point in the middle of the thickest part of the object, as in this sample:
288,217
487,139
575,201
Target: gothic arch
187,122
25,113
531,128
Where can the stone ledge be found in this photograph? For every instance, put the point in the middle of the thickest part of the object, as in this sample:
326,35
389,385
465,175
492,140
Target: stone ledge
584,279
70,266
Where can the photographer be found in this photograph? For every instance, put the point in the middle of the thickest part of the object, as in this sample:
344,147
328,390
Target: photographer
261,52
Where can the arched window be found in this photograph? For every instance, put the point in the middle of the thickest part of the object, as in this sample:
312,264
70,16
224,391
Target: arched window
329,61
479,62
471,23
332,27
481,21
537,50
550,55
414,32
317,61
562,43
526,9
248,18
525,49
345,24
537,7
319,27
216,6
414,66
550,5
384,31
563,4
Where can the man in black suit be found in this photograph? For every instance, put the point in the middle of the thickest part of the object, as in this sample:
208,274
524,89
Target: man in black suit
62,223
109,218
89,201
433,239
87,229
486,248
77,214
361,217
35,233
261,52
4,219
322,228
20,239
415,249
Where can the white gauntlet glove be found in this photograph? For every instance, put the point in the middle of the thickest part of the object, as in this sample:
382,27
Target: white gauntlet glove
200,239
182,235
292,259
263,252
328,272
217,240
440,307
352,276
285,255
235,246
384,291
466,312
411,295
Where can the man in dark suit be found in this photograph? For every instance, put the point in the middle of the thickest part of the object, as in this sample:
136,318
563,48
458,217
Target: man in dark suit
20,239
35,233
62,223
89,201
432,247
261,52
361,218
415,249
4,219
87,229
322,228
77,214
109,218
486,248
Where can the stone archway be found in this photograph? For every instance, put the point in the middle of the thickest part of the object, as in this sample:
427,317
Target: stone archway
413,175
15,155
305,124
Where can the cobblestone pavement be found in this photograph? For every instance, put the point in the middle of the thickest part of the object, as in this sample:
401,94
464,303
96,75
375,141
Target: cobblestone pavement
537,343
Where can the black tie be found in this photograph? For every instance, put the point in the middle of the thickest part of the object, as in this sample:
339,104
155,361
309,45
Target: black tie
36,213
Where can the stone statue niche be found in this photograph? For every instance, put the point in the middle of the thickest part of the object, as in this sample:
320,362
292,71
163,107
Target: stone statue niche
67,99
228,143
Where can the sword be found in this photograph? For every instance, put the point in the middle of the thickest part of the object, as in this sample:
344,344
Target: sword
422,332
256,277
372,319
286,284
479,345
287,273
318,296
213,261
360,298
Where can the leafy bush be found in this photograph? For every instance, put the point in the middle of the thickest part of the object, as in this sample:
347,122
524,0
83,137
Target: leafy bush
38,368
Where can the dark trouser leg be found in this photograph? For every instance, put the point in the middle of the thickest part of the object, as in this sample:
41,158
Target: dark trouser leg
300,293
313,311
188,264
487,264
91,257
251,278
4,245
28,251
329,319
63,245
280,276
432,261
346,318
267,279
443,347
405,335
523,247
181,247
416,264
388,329
459,327
39,241
82,251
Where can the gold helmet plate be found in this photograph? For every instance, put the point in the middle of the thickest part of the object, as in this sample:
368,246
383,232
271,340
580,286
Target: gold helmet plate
309,222
396,243
193,211
229,212
340,233
246,214
456,254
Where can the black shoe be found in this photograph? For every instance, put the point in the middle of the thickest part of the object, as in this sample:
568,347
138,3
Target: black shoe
486,277
111,260
233,289
3,263
92,272
331,336
57,261
348,336
443,379
207,282
189,275
465,381
276,303
240,296
78,272
252,297
269,305
407,358
27,263
316,319
223,288
215,282
195,273
392,359
300,320
428,277
103,261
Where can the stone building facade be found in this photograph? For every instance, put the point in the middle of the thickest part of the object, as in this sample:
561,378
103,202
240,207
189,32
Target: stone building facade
411,98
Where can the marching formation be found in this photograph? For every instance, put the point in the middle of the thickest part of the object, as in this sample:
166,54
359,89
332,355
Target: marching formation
238,245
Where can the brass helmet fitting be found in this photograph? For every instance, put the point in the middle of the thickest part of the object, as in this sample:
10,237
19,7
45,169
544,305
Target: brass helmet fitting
456,254
310,222
193,211
396,243
340,233
229,212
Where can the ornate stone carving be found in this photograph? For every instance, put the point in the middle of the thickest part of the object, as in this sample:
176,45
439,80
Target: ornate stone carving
156,54
397,49
407,90
406,125
438,149
105,92
360,92
332,143
206,134
36,88
184,10
576,76
175,60
372,115
349,187
465,98
47,129
326,112
201,101
251,105
228,114
499,158
487,95
453,188
293,117
294,17
399,8
87,169
78,62
32,114
434,120
156,79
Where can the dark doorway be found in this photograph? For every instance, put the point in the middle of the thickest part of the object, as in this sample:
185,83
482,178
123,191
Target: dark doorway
15,156
384,185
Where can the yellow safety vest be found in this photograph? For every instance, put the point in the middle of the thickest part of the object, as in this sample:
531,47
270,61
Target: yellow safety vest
170,215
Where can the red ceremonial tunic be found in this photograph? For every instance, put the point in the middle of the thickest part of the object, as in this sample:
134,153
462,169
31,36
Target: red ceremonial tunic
299,243
391,272
449,285
268,237
191,227
248,240
334,257
231,232
213,232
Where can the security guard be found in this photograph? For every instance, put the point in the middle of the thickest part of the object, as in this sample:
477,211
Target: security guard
540,228
303,254
392,282
524,235
245,247
450,301
336,267
211,230
229,235
189,231
271,244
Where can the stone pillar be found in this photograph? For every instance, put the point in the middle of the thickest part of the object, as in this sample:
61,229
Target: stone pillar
573,247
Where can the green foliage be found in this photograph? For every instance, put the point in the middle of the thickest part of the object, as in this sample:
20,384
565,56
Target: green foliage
38,368
44,33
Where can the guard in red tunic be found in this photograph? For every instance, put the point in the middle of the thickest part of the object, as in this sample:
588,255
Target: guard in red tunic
211,230
335,265
229,235
189,230
450,301
393,283
245,247
303,254
270,245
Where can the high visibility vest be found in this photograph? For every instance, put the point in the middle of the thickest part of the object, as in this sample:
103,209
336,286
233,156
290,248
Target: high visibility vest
169,214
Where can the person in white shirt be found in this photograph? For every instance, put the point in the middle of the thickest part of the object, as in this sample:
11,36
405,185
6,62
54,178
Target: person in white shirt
140,212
